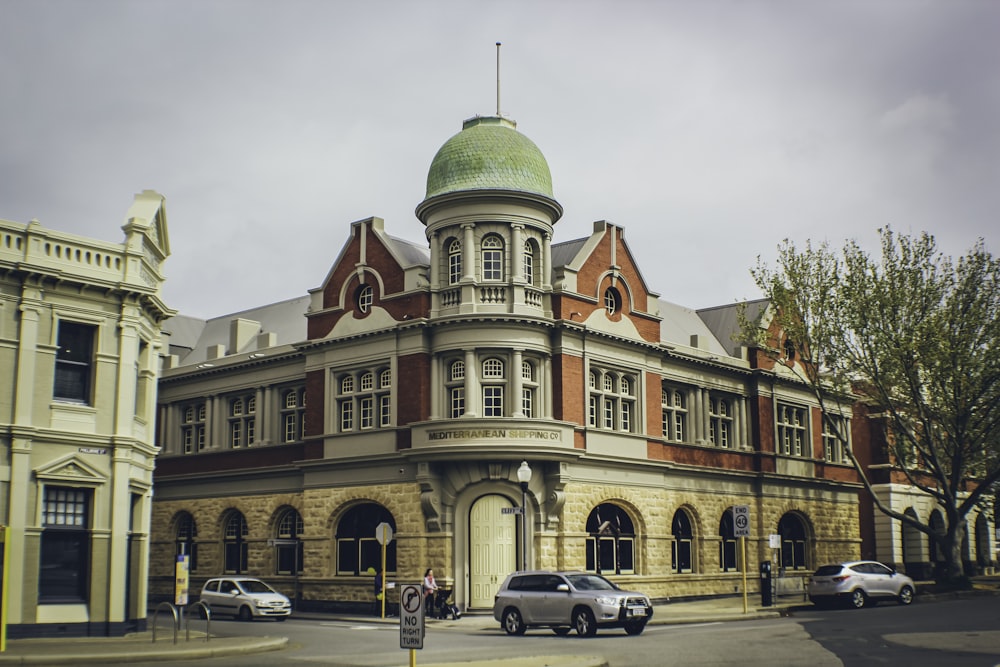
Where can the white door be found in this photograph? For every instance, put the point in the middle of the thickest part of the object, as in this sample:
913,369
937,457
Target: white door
492,552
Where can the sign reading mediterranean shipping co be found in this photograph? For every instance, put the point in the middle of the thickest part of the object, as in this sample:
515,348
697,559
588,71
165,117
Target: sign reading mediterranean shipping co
495,434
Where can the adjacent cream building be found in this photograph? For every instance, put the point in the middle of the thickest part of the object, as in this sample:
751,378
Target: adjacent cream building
79,357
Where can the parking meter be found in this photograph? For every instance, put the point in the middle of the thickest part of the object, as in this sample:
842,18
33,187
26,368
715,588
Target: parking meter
766,599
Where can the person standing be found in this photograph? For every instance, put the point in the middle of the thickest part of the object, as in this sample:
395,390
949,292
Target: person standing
379,585
430,588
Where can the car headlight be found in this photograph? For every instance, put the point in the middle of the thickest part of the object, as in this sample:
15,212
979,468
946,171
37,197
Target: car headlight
607,601
260,603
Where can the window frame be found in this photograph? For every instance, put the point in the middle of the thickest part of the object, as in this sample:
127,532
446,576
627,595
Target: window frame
75,363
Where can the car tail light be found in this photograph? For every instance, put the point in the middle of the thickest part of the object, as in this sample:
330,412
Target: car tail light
841,577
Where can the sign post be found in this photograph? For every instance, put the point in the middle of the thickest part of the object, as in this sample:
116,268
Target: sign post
411,619
741,529
383,533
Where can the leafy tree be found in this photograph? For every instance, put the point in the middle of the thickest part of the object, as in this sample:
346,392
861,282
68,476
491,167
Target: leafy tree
914,335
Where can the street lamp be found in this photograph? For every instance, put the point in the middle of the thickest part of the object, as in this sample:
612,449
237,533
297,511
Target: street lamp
524,476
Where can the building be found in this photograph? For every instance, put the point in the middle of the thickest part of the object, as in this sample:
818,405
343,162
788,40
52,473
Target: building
79,356
412,383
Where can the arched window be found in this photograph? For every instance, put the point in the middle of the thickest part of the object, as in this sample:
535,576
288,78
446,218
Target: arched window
288,543
682,552
529,263
454,262
187,531
234,543
456,389
610,540
674,414
529,387
728,560
493,387
492,258
793,542
357,548
293,415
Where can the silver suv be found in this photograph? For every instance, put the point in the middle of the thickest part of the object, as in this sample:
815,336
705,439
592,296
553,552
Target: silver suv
860,583
244,598
567,601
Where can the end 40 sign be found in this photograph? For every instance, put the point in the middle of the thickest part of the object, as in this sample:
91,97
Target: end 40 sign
411,616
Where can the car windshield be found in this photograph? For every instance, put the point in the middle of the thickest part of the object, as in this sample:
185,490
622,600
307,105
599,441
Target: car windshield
254,586
591,582
828,571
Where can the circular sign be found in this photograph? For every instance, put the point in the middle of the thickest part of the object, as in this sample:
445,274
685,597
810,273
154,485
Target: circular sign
383,533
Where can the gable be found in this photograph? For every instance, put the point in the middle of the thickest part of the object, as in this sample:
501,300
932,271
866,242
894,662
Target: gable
71,469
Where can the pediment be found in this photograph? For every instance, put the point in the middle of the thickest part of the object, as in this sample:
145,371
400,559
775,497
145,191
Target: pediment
71,468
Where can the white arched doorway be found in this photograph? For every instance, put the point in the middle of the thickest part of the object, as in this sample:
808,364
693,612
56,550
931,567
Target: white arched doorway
492,548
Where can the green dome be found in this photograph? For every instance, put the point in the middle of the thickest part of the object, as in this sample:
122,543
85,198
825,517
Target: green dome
489,154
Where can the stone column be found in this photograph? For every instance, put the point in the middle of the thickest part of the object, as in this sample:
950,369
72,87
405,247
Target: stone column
472,397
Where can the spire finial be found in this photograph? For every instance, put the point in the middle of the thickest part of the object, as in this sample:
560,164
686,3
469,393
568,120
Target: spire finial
498,79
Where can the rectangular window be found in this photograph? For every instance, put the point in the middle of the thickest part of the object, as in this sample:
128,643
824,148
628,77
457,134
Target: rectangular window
609,413
367,410
626,419
526,402
385,410
74,362
492,401
491,265
792,430
592,412
834,447
236,434
454,268
347,415
720,422
457,402
65,546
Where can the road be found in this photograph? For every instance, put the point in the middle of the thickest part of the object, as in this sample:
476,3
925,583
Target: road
948,632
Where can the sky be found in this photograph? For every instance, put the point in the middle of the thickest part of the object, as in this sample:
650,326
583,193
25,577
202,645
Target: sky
710,130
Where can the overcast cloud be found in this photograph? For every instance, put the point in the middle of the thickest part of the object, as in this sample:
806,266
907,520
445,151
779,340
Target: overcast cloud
710,130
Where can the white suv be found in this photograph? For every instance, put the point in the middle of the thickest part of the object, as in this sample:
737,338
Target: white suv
567,601
244,598
860,583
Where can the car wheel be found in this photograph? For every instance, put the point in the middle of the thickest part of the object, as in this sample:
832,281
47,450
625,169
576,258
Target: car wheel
583,621
562,632
245,614
635,627
905,595
512,622
858,598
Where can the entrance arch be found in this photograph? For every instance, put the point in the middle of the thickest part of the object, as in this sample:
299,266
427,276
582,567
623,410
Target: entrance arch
492,548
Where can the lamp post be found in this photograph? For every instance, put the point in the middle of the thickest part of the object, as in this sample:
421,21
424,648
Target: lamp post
524,476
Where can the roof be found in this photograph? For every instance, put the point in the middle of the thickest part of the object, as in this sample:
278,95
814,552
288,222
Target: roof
683,327
723,321
191,338
489,154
